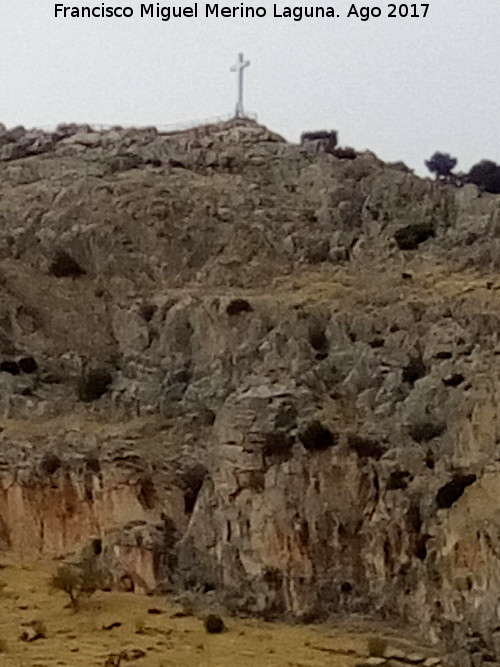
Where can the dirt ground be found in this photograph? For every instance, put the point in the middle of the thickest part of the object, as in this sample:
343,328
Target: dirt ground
163,639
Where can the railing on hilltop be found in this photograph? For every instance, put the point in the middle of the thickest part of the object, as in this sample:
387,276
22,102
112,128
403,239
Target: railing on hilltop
164,129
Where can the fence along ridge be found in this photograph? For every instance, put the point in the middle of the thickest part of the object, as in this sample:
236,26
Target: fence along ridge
163,128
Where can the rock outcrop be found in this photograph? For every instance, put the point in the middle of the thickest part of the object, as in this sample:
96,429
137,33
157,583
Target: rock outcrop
233,364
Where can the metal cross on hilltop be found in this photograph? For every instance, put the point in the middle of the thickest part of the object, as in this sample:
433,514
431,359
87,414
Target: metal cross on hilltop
239,67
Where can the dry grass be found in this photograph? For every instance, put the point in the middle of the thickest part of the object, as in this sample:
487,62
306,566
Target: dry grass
79,640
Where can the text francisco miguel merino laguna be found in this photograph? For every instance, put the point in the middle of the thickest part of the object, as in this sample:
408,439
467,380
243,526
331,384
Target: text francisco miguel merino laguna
215,10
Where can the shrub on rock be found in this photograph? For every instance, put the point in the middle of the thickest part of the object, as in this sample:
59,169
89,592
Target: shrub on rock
28,365
237,306
426,430
316,437
365,448
64,266
10,367
277,444
50,463
411,236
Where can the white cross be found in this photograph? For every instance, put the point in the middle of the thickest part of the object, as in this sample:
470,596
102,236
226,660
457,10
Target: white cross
239,67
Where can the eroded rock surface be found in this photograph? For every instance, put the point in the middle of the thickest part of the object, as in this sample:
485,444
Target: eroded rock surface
235,365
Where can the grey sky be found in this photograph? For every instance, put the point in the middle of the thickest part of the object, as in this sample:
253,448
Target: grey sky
403,87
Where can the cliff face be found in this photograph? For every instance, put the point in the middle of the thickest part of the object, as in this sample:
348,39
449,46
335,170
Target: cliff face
238,364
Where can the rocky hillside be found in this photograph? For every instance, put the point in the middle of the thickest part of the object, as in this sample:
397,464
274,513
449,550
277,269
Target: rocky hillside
229,363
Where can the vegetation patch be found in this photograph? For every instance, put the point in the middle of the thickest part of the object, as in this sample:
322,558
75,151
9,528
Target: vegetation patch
317,337
237,306
426,430
50,464
316,437
364,447
411,236
415,370
278,444
28,365
214,624
64,266
10,367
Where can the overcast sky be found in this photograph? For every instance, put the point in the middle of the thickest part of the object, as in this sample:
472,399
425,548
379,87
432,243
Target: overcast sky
403,87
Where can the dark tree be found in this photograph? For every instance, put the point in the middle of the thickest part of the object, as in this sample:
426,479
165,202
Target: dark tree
481,171
486,175
441,164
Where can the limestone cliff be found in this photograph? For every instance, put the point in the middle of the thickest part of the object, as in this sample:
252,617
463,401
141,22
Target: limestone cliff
236,364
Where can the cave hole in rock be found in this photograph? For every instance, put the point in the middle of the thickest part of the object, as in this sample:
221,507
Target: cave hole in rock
377,342
97,547
89,493
28,365
365,448
444,354
453,490
64,266
278,444
205,416
92,464
346,587
398,480
411,236
147,311
147,492
94,384
50,463
237,306
426,430
430,461
318,339
316,437
191,481
420,550
414,518
273,577
183,376
11,367
454,380
415,370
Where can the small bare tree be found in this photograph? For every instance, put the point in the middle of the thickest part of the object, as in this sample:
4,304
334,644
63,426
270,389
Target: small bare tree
78,581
